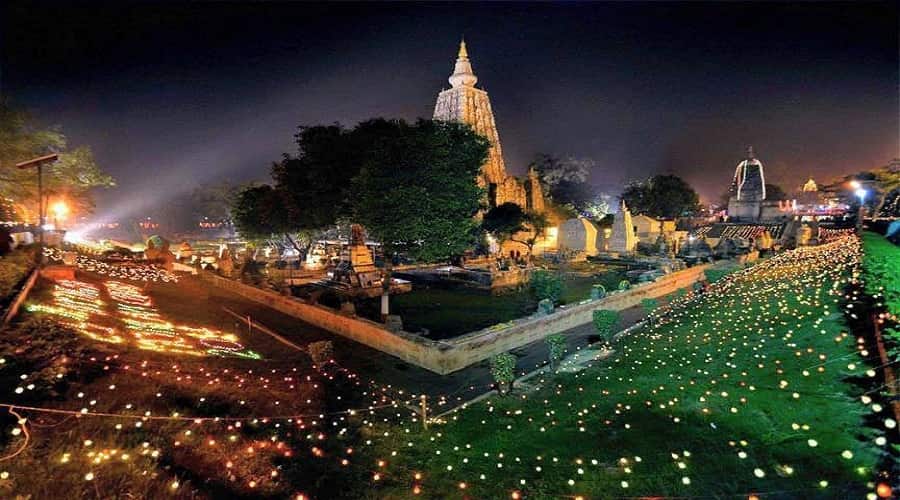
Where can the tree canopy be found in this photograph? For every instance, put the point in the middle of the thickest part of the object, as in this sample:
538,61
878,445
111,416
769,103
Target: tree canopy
565,182
504,220
775,193
71,177
416,191
665,196
412,186
258,213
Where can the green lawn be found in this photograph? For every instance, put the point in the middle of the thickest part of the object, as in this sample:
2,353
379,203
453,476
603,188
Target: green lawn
451,312
744,391
881,269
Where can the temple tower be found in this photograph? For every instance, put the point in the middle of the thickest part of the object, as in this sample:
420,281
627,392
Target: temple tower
462,102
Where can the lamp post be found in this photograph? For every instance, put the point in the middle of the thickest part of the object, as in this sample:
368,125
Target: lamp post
39,164
861,194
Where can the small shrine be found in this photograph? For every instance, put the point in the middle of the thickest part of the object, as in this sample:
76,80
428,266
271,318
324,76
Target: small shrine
355,274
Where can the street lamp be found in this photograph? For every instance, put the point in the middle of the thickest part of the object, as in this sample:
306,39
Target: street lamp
39,164
60,210
861,194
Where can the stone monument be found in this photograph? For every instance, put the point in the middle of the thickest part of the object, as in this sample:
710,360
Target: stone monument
622,240
465,103
748,189
357,267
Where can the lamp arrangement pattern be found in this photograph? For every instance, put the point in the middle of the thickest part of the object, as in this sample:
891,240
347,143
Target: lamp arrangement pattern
740,393
134,319
125,271
758,341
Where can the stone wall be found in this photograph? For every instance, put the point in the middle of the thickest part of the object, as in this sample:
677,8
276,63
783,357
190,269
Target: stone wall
456,354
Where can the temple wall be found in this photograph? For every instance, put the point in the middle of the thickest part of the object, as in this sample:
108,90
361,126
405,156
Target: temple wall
458,353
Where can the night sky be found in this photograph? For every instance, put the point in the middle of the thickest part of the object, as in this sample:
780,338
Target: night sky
169,96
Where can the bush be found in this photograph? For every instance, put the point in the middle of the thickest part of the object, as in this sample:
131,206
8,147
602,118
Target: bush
546,285
503,369
321,352
557,345
598,292
624,285
605,321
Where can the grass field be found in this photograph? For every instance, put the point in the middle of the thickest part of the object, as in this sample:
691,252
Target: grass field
746,390
451,312
881,268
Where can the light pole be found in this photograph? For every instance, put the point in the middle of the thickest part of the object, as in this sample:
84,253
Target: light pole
39,164
861,194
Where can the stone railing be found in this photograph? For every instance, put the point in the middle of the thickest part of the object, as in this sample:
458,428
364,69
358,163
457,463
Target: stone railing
455,354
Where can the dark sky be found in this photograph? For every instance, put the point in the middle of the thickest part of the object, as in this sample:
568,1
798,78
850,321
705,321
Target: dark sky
170,95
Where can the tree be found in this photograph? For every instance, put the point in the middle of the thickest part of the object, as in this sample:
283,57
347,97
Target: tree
504,221
316,183
258,213
214,201
503,369
565,181
661,196
71,178
416,190
604,321
556,344
775,193
546,286
598,207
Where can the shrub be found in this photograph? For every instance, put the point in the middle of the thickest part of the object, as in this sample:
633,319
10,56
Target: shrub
604,321
546,285
624,285
321,352
503,369
598,291
557,345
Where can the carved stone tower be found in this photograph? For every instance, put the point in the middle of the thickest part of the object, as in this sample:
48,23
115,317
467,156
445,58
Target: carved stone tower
467,104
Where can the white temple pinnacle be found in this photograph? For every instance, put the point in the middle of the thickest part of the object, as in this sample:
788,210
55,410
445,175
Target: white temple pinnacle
462,72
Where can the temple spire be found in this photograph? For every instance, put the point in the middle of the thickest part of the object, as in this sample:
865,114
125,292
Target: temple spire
462,72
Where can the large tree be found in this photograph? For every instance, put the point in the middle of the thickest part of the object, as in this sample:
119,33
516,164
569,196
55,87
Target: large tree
315,183
565,182
71,178
416,191
504,222
661,196
258,214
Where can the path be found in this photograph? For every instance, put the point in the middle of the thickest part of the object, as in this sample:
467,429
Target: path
370,363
